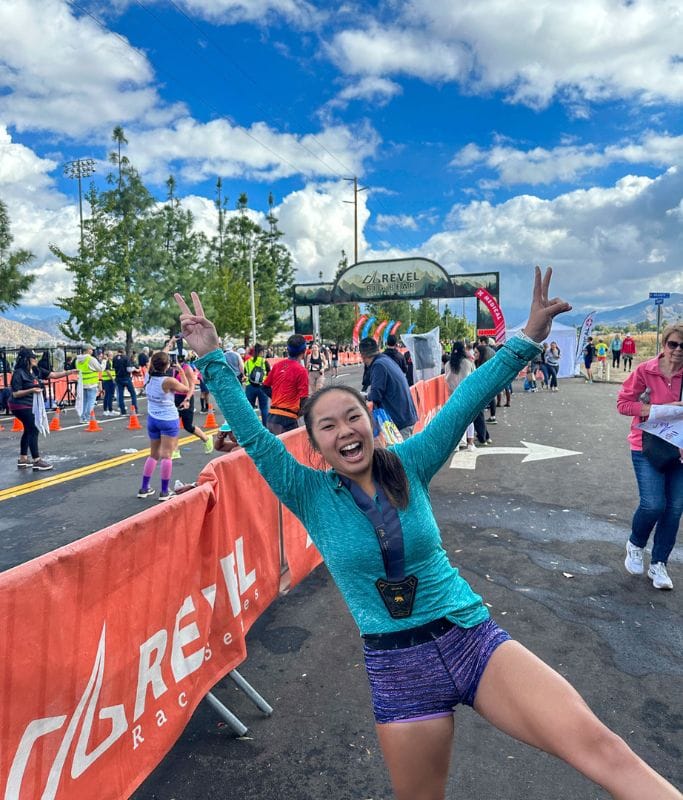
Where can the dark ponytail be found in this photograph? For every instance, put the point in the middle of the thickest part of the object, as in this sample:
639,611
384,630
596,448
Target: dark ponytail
388,471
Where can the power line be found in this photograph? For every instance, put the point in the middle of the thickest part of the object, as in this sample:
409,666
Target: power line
258,104
203,100
250,78
279,157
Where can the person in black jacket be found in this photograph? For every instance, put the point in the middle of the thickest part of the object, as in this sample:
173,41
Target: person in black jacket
27,381
388,387
124,369
394,353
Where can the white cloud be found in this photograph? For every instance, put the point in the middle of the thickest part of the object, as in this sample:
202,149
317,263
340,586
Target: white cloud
39,215
588,51
233,11
379,51
318,225
370,88
566,162
201,150
66,74
386,221
610,243
22,172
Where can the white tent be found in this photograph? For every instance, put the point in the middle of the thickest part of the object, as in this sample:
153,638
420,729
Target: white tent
565,336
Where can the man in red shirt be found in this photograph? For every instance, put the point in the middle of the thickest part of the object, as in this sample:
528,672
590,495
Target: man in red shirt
287,384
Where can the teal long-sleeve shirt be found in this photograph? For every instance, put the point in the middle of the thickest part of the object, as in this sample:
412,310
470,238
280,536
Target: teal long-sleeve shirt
342,533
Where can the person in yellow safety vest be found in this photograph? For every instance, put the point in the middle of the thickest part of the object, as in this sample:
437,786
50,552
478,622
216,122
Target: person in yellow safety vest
108,378
255,370
89,368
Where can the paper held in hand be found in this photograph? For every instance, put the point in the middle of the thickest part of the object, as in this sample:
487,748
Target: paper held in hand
666,422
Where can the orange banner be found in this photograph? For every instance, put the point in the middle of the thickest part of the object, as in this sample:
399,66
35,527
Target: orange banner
109,644
300,552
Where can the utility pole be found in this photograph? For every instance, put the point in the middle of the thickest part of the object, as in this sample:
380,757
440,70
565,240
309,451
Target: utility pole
78,169
354,180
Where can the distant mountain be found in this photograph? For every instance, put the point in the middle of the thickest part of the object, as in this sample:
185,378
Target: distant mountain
629,315
14,334
42,318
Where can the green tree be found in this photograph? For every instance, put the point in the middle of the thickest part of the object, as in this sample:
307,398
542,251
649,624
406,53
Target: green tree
121,259
179,265
337,321
237,242
453,327
426,317
644,326
13,282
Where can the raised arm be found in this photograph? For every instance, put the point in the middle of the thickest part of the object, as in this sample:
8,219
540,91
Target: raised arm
430,448
283,473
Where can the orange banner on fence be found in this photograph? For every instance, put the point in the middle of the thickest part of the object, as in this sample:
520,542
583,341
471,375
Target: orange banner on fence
302,556
109,644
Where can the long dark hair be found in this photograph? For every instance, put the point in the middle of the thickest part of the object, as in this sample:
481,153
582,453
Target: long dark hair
23,360
457,355
387,468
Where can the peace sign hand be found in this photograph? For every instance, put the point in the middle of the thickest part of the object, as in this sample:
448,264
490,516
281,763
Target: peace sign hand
543,310
199,333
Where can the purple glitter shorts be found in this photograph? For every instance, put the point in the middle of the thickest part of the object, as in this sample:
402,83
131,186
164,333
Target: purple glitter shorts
428,680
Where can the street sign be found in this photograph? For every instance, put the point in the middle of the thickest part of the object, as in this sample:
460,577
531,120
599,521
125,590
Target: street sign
659,295
659,301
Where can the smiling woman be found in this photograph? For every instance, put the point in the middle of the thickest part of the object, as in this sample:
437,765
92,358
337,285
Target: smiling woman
428,641
656,382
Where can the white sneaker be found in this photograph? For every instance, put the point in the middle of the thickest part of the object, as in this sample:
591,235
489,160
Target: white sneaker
471,448
634,559
659,576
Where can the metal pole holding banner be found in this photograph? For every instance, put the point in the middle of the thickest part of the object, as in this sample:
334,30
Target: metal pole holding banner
232,721
659,298
226,715
250,692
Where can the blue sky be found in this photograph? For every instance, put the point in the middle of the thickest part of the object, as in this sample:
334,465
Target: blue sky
491,134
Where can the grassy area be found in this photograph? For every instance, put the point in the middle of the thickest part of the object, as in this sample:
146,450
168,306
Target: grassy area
645,343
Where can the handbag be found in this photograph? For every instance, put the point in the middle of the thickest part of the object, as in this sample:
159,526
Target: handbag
661,454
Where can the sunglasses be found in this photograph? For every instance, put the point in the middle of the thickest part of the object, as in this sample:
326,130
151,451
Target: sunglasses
673,345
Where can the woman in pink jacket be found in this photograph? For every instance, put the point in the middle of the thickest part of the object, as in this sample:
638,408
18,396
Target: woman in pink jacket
654,382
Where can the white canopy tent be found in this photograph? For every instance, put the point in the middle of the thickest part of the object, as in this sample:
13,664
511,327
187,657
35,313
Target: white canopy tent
565,336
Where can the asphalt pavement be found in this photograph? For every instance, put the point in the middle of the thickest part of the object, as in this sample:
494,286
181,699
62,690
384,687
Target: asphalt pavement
541,540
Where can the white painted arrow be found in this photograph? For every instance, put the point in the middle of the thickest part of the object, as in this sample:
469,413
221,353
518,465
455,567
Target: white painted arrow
467,459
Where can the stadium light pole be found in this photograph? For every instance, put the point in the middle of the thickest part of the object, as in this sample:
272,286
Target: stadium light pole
251,295
78,169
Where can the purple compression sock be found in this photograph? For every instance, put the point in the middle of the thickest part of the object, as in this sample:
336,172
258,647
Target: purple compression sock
166,468
147,472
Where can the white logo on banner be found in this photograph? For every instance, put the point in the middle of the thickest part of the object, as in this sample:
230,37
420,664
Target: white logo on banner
151,655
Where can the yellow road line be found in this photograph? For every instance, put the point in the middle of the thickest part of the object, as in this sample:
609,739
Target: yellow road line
80,472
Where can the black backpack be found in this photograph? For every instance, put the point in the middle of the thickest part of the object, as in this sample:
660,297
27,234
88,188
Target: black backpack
257,374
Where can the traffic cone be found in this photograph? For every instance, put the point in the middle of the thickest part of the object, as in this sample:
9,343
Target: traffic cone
134,422
18,426
211,418
93,425
55,423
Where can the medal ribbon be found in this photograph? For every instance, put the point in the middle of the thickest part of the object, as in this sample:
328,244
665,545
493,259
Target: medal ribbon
387,527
